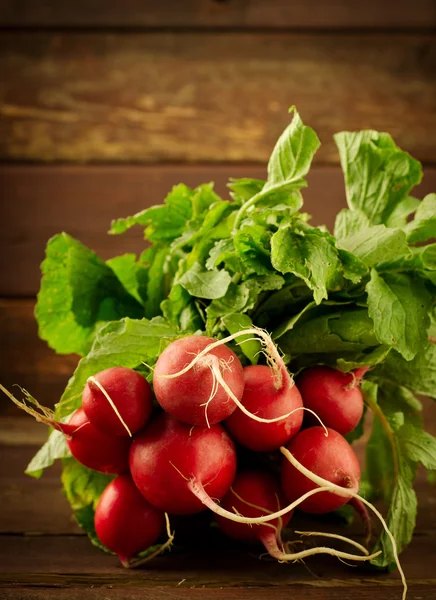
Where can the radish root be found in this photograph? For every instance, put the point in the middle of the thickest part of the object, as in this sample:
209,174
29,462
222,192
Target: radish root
40,413
306,533
198,490
336,537
94,381
271,545
339,491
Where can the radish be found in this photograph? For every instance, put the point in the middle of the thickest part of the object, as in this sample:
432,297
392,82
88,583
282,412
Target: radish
253,494
216,379
94,448
331,457
118,401
333,395
168,454
90,446
125,522
263,397
194,397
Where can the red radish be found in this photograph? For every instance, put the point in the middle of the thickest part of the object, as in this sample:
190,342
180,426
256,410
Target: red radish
331,457
193,397
118,401
94,448
90,446
168,454
124,521
263,398
333,395
253,494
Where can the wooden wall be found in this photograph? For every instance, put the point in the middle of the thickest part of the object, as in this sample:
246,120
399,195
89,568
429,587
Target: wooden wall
105,105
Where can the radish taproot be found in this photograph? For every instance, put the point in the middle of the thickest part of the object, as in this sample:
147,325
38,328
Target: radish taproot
125,522
168,454
258,493
118,401
90,446
253,494
333,395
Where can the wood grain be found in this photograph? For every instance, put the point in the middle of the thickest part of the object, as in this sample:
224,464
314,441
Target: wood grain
60,560
208,97
416,591
280,14
42,201
220,564
28,361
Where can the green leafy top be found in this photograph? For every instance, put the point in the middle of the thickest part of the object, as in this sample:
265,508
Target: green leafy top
363,297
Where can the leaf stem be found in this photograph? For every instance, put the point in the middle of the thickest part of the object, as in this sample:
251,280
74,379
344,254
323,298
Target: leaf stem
244,209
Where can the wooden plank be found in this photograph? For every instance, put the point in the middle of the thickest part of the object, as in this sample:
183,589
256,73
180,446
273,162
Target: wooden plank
72,560
26,360
416,591
278,14
208,97
42,201
58,560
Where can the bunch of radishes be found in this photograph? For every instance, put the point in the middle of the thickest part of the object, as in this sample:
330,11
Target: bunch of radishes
183,460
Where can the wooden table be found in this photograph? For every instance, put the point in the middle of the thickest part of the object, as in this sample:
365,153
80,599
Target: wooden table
44,555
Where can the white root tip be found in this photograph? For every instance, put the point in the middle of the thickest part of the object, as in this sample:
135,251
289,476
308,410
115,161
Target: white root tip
336,537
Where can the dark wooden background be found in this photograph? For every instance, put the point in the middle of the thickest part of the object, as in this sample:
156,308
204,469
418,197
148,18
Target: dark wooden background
103,107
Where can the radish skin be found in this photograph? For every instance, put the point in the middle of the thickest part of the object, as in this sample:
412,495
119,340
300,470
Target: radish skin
262,397
333,395
253,494
330,457
94,448
118,401
167,454
193,397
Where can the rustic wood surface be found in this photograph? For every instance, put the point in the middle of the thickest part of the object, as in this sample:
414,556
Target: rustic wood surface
280,14
208,97
43,554
41,201
26,360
